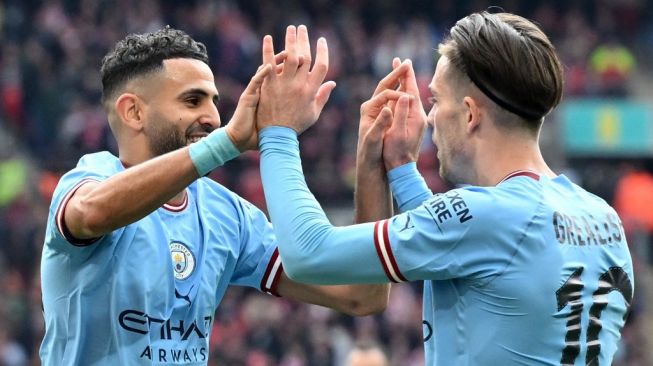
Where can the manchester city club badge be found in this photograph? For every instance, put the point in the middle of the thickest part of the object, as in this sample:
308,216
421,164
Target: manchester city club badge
183,261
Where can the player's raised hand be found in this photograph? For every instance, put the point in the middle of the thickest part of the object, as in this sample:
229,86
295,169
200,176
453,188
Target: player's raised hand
384,97
376,118
402,140
242,126
294,95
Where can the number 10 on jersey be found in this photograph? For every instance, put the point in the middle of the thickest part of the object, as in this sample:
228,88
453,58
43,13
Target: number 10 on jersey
570,293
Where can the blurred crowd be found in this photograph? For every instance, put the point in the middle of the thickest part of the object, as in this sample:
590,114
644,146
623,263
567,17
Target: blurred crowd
50,115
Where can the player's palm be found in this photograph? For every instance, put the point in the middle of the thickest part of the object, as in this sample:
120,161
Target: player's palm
242,127
294,95
376,113
402,140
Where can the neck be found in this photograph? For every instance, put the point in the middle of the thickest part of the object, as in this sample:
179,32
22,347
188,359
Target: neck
497,158
135,153
178,199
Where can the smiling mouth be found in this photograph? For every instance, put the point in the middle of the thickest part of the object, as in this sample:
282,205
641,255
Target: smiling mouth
194,139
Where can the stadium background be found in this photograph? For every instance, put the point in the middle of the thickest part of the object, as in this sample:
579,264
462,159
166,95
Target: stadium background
50,52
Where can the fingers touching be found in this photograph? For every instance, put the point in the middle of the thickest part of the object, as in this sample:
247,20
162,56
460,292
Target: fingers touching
292,57
303,49
401,112
257,80
391,81
297,56
377,102
294,93
410,81
381,124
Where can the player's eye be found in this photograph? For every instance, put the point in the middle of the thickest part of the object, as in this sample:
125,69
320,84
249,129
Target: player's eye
432,101
193,101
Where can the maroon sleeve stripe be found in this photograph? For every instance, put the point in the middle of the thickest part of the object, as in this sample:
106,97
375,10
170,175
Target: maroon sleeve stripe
381,243
270,279
393,262
59,217
384,252
275,281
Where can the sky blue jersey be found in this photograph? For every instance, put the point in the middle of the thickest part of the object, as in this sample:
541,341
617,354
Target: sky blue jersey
146,293
533,271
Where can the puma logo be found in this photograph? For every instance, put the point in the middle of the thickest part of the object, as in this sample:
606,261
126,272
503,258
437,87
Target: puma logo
184,297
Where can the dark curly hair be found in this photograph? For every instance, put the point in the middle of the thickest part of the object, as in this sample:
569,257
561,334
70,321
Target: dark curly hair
139,54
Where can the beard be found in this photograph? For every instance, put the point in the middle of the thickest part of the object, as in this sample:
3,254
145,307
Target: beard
163,137
454,164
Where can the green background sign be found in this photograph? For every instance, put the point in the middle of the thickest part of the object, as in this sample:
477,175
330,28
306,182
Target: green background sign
607,128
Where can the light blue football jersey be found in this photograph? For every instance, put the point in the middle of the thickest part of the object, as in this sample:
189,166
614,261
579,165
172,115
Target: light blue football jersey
146,293
533,271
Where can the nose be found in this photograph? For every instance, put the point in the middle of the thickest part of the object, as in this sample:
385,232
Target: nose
211,116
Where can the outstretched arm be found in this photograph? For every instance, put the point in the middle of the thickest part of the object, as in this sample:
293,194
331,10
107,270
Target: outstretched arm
312,249
356,300
296,81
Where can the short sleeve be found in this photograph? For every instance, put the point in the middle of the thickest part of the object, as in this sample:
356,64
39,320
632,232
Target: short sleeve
465,232
258,264
57,233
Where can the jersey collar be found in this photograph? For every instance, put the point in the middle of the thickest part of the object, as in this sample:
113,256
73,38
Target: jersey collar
517,173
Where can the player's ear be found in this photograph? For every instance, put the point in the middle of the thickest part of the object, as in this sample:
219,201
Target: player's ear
473,111
129,108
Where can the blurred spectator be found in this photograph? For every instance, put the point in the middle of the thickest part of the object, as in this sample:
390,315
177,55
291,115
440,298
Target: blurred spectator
612,64
11,352
575,48
633,200
367,354
13,179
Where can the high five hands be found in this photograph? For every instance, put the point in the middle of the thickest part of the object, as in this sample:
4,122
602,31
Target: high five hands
392,122
295,94
402,140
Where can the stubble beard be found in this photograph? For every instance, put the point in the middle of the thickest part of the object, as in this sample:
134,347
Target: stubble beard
453,166
165,138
